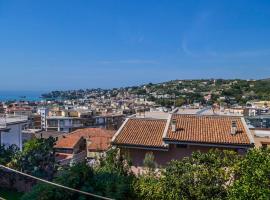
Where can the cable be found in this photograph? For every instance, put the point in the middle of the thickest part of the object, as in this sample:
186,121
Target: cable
55,184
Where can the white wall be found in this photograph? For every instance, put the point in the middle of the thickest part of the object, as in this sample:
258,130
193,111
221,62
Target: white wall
14,136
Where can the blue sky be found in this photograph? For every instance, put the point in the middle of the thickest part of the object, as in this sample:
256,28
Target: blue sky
65,44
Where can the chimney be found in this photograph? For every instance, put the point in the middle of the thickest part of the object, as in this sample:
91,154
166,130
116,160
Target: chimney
173,124
233,128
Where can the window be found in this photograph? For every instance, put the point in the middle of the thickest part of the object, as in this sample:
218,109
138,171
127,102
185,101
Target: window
181,146
264,145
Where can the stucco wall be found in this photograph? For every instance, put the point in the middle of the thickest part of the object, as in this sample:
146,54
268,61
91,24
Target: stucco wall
13,136
162,157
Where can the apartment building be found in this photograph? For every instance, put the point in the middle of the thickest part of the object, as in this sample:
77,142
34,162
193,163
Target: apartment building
11,130
43,112
63,124
109,121
261,137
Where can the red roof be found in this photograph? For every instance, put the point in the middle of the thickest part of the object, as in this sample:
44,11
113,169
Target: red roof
67,142
208,129
143,132
99,139
189,129
62,156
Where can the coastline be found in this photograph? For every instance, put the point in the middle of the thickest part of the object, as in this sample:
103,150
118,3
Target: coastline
20,95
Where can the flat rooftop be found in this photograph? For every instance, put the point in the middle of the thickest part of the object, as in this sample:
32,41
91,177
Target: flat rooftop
153,114
13,119
61,117
208,111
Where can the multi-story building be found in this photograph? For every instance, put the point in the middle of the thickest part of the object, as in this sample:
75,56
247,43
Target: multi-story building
260,121
109,121
44,112
261,137
63,124
18,109
11,128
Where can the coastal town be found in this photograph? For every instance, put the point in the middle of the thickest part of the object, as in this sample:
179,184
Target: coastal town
167,121
134,100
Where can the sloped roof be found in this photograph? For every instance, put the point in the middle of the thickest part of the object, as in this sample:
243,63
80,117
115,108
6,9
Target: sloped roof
67,142
142,132
207,129
99,139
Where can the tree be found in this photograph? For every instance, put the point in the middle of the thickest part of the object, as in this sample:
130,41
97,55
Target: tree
149,161
77,177
111,178
37,158
252,176
7,153
148,186
179,102
201,176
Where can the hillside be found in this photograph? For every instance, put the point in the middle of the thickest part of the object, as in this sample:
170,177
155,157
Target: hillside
181,91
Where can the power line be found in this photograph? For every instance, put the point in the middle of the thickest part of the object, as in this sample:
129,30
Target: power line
55,184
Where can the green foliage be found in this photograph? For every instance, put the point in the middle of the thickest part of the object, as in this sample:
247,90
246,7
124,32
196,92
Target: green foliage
149,161
179,102
165,102
7,153
252,176
212,175
10,194
75,177
111,179
115,162
201,176
151,98
148,187
37,158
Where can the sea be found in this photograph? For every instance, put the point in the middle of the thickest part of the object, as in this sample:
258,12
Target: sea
21,95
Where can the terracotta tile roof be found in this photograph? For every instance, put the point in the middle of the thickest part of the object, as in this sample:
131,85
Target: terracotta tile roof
67,142
143,132
99,138
207,129
62,156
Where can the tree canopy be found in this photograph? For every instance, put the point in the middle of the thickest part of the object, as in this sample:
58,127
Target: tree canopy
36,158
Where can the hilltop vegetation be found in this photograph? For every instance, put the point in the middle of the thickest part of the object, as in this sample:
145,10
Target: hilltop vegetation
179,92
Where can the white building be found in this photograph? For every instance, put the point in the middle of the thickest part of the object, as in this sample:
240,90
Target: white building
44,112
11,128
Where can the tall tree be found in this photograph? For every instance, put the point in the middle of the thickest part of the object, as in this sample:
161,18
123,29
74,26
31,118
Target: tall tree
36,158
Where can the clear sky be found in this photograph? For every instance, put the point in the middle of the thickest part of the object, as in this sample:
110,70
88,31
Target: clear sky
66,44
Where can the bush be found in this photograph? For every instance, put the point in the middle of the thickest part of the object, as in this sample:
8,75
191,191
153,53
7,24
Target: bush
252,176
